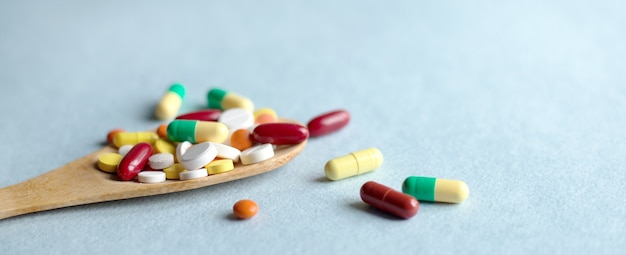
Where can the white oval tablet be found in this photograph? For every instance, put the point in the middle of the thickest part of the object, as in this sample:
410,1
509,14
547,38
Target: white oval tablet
256,154
124,149
199,155
161,160
151,176
227,152
181,148
193,174
237,118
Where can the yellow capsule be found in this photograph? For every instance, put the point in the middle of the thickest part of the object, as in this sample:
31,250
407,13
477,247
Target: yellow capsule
164,146
108,161
132,138
170,103
172,172
219,166
353,164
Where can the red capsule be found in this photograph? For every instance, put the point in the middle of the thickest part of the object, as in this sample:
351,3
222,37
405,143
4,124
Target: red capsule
134,161
328,122
204,115
389,200
280,133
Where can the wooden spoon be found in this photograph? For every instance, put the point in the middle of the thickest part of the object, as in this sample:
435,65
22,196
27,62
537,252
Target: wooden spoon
81,182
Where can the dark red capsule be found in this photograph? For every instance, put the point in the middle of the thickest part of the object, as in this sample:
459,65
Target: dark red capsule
204,115
280,133
134,161
328,122
389,200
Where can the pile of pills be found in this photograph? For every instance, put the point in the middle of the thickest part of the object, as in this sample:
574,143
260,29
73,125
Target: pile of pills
213,141
197,144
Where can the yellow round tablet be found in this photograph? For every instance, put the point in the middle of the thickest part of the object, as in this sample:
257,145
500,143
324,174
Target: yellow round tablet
220,166
172,172
108,161
265,115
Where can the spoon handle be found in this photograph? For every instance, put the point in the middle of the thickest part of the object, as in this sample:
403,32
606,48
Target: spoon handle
71,184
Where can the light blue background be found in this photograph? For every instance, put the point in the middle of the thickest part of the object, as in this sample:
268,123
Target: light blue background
524,101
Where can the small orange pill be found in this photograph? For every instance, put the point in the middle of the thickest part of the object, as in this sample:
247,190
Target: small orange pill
240,139
265,118
265,115
245,209
162,131
112,134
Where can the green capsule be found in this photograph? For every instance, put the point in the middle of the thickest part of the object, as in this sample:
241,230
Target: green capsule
435,189
171,102
196,131
221,99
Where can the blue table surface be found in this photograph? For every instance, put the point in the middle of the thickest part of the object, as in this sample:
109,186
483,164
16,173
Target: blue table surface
524,101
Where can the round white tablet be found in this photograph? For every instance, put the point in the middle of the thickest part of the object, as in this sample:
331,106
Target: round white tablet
124,149
257,154
161,160
237,118
199,155
151,176
227,152
181,148
193,174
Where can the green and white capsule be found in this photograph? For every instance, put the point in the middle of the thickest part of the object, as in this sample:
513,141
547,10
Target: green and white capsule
221,99
435,189
196,131
170,103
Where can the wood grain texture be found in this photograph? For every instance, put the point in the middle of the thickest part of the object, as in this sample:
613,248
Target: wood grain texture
81,182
